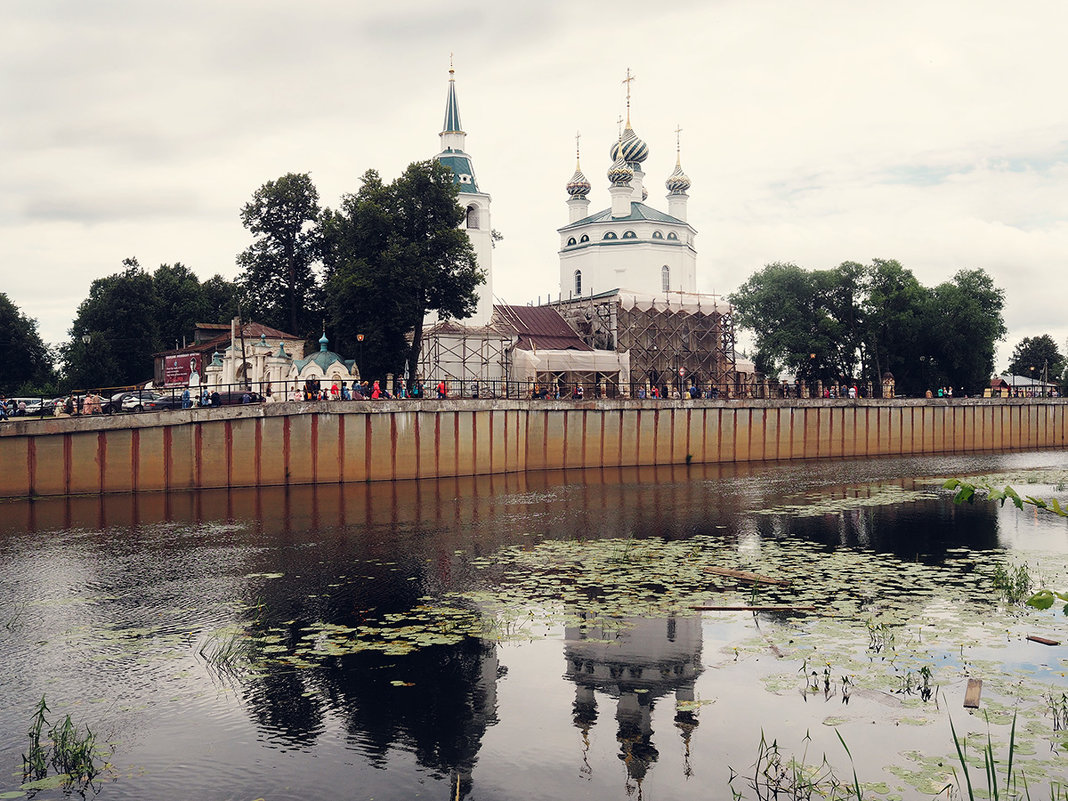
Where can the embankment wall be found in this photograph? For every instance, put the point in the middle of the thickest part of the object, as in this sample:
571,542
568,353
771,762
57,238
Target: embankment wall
334,442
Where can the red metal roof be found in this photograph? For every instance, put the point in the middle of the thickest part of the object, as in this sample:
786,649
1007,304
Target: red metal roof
540,327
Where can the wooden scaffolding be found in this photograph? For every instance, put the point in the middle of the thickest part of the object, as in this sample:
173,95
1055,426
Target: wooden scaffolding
675,340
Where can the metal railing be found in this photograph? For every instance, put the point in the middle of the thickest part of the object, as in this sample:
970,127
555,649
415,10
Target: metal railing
133,400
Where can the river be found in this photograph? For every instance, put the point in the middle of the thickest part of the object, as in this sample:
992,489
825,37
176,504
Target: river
532,636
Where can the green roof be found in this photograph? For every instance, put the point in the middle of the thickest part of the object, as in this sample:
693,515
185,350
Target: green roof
462,170
638,212
452,111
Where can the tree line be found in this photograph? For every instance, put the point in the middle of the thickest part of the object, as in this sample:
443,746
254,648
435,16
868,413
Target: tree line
371,271
374,268
856,322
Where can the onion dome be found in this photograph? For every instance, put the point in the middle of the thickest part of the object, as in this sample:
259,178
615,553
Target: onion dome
620,173
677,183
634,149
578,186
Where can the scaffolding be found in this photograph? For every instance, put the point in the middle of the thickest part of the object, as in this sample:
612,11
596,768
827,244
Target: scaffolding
676,340
465,354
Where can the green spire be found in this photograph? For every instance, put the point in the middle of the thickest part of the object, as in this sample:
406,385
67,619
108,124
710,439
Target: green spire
452,108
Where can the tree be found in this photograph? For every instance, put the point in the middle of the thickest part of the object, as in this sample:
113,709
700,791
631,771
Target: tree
394,253
894,309
858,321
133,314
28,365
1038,357
277,278
776,305
964,321
119,319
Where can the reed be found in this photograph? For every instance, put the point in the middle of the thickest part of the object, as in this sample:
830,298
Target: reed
65,748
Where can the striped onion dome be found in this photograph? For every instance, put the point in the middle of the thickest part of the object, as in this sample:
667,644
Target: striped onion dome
677,183
578,186
620,173
635,151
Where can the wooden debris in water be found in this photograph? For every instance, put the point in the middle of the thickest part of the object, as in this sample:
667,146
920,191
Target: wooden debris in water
745,575
971,695
1042,640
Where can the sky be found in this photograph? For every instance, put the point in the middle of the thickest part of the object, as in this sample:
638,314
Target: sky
933,132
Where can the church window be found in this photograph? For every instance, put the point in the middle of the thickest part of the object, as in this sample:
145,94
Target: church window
665,278
629,235
472,216
578,282
611,235
672,235
658,235
584,238
571,241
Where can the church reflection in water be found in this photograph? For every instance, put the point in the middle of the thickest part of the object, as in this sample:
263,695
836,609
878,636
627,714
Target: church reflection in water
634,662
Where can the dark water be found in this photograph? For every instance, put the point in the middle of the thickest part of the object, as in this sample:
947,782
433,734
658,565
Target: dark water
112,607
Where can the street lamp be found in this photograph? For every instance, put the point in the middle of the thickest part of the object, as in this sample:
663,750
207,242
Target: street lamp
359,338
1032,369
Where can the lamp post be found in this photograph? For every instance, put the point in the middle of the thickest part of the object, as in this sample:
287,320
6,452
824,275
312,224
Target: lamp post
1032,369
359,338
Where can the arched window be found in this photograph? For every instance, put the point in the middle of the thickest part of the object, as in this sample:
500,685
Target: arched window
657,235
611,235
584,238
629,235
665,278
672,235
472,216
578,282
571,241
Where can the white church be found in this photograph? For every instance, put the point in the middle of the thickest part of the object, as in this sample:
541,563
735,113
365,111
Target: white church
628,288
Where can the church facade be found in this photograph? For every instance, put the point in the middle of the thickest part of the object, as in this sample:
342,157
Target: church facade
628,289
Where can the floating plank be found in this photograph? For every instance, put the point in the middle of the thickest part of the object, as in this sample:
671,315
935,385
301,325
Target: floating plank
1043,640
745,575
754,608
971,695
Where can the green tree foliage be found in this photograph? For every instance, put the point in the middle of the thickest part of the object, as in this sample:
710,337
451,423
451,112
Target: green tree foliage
120,320
1040,353
28,365
277,280
133,314
394,253
964,323
856,322
896,307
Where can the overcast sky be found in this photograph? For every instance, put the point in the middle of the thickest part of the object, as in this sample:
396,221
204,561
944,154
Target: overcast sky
934,132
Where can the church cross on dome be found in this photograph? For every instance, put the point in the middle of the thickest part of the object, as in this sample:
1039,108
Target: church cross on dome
626,82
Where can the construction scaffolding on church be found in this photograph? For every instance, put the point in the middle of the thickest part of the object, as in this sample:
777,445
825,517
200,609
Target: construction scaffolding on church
675,340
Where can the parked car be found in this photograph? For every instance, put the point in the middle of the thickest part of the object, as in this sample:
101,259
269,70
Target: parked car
235,398
33,407
139,399
162,402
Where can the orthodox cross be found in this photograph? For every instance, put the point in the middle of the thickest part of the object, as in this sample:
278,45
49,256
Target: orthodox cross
626,82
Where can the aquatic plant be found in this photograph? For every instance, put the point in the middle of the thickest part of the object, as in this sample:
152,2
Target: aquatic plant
989,761
965,491
35,761
71,753
1013,583
776,776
